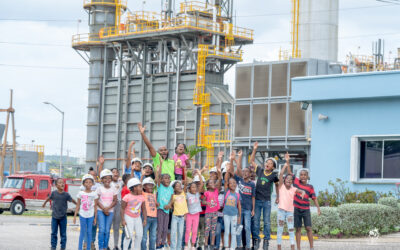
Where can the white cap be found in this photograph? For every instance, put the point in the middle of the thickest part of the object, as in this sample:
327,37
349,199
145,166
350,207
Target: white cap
87,176
105,172
197,179
173,182
133,182
148,165
214,169
135,160
272,159
148,180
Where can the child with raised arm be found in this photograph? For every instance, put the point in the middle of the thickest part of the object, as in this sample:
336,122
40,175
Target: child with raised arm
194,208
212,207
60,200
107,200
301,204
232,211
164,192
266,177
247,190
285,207
87,209
132,206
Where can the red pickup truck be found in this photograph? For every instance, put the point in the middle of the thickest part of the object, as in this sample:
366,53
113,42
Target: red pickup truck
22,192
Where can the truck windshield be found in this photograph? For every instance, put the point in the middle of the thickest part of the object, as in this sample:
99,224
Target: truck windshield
14,183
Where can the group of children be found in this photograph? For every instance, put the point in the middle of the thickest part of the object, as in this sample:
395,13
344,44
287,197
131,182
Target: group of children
160,207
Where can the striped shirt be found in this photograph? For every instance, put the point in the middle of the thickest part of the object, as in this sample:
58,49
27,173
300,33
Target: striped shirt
303,203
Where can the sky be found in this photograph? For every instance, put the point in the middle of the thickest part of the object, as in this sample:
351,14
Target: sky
38,63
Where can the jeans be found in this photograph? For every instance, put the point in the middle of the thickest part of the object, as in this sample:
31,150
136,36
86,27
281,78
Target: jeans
134,225
62,224
265,206
116,223
86,231
162,226
245,220
282,217
105,222
150,227
177,232
230,223
218,231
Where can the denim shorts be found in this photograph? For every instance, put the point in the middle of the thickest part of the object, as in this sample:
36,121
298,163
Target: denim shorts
300,216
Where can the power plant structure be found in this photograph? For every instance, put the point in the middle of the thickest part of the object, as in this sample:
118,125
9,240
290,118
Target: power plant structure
165,70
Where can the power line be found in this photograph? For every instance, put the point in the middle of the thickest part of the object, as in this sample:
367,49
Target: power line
327,39
40,67
35,44
327,10
41,20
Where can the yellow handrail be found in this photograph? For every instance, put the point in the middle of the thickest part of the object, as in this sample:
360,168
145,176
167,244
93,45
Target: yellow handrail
122,3
175,24
199,6
86,39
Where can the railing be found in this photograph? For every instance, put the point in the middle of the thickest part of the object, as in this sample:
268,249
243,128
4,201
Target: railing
122,3
199,7
175,24
143,16
220,136
86,39
33,148
226,52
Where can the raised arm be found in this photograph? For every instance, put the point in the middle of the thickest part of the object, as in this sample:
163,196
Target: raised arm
253,154
131,152
239,164
158,172
201,182
100,163
287,158
146,140
281,175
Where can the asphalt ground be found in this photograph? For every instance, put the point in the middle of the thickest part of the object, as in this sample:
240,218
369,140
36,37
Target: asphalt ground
33,233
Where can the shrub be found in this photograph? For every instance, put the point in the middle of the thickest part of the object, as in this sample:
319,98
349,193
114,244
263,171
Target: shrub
326,199
327,222
367,196
359,219
388,201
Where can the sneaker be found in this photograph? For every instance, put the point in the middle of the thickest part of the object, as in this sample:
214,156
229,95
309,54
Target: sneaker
265,244
115,248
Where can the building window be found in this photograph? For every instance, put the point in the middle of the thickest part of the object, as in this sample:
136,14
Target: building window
375,159
44,184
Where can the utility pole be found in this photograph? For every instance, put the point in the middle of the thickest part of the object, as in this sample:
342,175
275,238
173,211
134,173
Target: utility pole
10,113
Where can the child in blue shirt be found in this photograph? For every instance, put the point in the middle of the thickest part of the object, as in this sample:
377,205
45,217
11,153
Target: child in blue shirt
232,211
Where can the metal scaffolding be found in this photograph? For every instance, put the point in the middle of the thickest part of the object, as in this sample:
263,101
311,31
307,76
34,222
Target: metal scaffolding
147,68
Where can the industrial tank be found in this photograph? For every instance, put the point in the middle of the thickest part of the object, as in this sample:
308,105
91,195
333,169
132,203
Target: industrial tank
318,29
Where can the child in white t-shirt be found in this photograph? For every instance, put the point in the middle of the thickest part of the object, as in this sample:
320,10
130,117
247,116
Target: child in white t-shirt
87,208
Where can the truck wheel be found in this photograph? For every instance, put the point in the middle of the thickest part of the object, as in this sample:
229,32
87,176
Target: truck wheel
17,207
1,211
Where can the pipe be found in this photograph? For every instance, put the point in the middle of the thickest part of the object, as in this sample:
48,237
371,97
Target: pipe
178,69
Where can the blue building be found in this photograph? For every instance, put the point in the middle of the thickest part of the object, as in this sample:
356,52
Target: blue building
355,132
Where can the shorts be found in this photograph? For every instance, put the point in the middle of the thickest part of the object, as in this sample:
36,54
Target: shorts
301,215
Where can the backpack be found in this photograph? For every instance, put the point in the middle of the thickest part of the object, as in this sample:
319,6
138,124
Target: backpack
237,195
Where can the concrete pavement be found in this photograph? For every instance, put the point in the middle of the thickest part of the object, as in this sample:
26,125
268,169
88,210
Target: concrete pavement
33,233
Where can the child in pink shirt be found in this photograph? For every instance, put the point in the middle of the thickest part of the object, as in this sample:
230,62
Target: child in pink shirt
285,207
212,206
181,161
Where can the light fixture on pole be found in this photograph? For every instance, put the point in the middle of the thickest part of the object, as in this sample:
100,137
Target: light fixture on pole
62,133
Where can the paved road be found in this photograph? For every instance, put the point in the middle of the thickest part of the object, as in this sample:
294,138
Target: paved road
33,233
